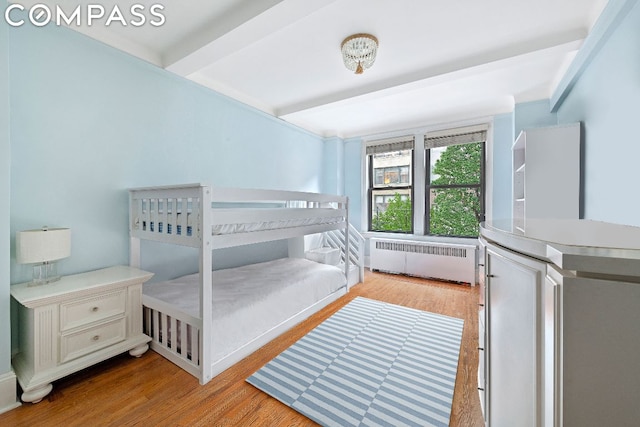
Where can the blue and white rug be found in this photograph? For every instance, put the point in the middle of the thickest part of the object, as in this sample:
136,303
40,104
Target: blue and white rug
370,364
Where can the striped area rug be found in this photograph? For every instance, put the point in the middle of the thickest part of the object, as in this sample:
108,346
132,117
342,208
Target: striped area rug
370,364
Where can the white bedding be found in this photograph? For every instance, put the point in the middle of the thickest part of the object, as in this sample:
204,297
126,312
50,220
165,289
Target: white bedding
278,218
250,300
271,225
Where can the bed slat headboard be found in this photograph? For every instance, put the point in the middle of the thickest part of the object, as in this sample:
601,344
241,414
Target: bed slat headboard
167,214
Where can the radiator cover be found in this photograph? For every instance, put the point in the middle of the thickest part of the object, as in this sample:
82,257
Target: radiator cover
444,261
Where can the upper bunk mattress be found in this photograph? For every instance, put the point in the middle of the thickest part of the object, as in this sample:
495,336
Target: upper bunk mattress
250,300
239,225
235,221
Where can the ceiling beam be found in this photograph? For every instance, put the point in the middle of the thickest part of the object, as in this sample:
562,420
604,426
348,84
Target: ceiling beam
614,12
488,61
236,30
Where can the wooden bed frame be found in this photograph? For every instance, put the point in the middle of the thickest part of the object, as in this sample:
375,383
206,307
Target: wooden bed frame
187,215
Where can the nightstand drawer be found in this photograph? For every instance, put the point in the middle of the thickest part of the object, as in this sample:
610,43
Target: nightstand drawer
88,310
89,340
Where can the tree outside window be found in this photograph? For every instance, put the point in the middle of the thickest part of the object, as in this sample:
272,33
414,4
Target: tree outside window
396,216
454,199
390,194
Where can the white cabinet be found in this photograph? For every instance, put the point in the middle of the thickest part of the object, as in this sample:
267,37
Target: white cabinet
592,343
561,313
482,331
76,322
513,362
546,174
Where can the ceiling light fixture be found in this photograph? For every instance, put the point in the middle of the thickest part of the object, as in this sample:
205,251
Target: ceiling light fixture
359,52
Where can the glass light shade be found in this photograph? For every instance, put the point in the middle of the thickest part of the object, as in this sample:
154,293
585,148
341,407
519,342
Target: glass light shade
359,52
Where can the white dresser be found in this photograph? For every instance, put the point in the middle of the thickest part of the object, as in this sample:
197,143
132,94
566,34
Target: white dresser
561,318
80,320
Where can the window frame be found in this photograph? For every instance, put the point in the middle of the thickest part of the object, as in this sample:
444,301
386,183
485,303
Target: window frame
423,137
371,188
428,187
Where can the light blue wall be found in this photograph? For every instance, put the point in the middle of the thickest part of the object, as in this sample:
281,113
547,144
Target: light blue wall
606,99
333,166
353,179
5,188
532,115
502,141
88,122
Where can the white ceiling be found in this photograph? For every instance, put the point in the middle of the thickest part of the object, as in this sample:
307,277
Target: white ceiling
438,60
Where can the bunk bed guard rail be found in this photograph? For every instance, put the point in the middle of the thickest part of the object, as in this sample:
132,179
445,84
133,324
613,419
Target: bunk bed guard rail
177,214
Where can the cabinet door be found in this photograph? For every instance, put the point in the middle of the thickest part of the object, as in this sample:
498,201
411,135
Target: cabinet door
482,366
552,347
513,290
600,373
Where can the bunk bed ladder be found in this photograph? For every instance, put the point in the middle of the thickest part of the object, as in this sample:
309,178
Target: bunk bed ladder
336,239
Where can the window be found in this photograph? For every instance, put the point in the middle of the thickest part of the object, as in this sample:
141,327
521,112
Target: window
390,185
454,184
390,175
440,193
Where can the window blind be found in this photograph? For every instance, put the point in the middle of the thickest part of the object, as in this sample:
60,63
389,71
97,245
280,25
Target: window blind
390,144
455,136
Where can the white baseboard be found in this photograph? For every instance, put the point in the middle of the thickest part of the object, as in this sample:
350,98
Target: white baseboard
8,398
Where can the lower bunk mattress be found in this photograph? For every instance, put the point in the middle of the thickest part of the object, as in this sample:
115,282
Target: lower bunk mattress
250,300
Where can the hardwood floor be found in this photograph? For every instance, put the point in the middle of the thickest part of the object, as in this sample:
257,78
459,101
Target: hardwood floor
151,391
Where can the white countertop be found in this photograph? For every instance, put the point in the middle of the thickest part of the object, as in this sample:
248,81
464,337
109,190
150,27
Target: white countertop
576,232
77,285
581,245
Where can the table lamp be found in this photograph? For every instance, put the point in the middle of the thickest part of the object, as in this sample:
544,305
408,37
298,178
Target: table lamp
43,247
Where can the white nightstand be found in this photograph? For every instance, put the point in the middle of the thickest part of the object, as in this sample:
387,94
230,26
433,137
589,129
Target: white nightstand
76,322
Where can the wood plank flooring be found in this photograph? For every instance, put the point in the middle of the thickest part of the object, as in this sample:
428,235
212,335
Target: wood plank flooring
151,391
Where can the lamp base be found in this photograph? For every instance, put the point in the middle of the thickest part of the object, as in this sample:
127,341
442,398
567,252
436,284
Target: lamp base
46,272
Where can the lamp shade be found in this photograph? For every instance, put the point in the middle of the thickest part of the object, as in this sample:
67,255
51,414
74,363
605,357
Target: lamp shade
44,245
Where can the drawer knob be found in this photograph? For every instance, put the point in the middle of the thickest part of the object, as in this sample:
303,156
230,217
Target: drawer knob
96,337
94,309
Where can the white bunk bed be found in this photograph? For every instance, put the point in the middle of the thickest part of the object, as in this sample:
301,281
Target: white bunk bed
202,322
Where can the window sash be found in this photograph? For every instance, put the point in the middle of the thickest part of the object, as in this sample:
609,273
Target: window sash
447,138
384,196
403,172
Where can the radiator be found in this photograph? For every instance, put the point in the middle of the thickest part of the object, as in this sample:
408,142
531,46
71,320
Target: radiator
424,259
